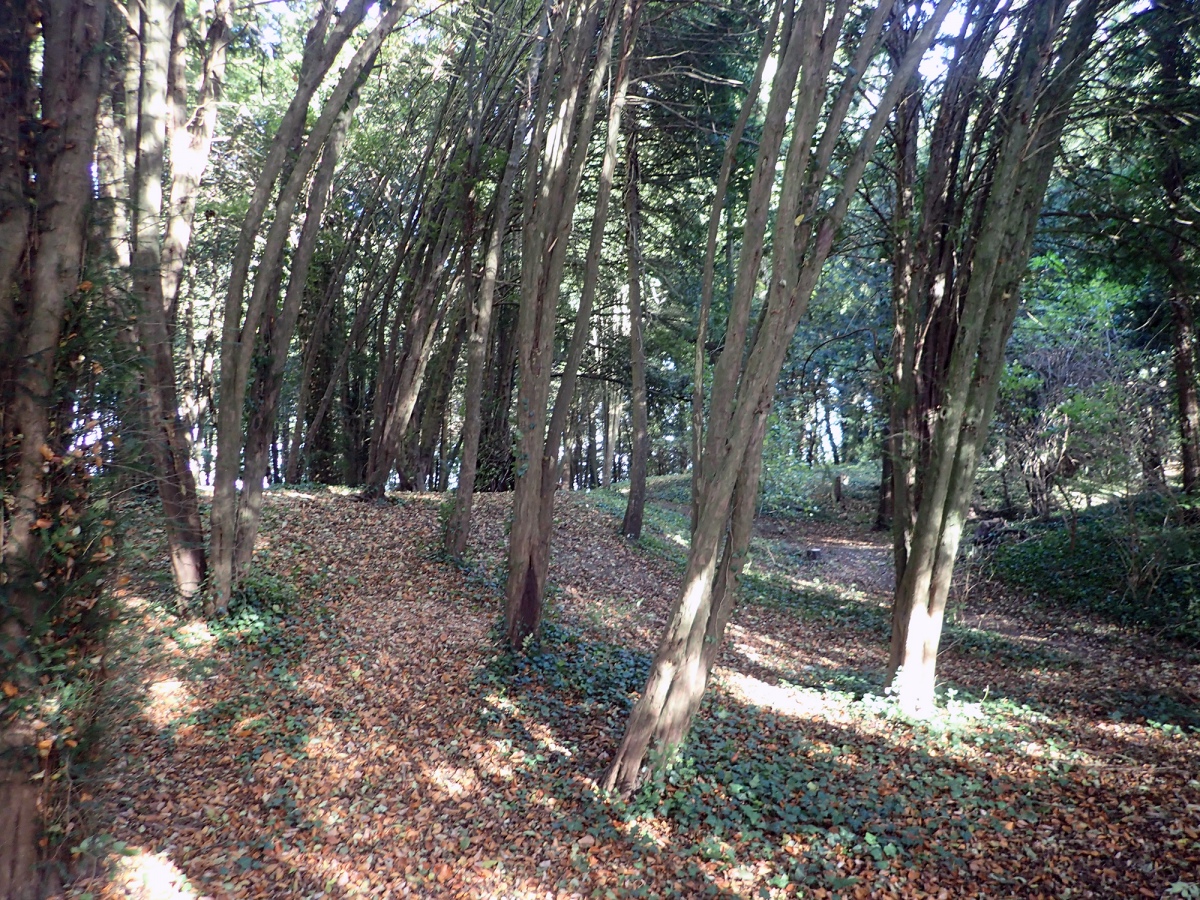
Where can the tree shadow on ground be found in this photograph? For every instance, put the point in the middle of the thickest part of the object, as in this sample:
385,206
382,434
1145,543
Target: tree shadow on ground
351,764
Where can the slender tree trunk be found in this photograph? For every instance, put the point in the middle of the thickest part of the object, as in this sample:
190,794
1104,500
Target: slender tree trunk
613,410
1186,393
439,384
805,222
240,333
593,475
169,444
631,526
191,142
710,252
458,528
261,426
429,309
550,202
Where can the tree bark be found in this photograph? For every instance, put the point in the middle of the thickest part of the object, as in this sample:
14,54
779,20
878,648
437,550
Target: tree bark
240,333
806,221
458,528
631,525
168,441
710,252
1032,114
191,142
561,150
56,173
261,426
15,99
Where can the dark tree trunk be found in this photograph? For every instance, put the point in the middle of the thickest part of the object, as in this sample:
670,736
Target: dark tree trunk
631,526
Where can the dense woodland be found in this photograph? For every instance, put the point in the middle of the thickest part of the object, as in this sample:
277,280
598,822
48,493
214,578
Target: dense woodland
924,272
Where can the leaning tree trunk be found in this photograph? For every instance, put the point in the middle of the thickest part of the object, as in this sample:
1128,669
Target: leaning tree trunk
168,440
261,426
631,525
1031,116
240,333
805,222
458,528
561,149
710,254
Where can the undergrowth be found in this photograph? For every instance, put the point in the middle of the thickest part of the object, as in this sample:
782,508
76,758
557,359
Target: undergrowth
1131,571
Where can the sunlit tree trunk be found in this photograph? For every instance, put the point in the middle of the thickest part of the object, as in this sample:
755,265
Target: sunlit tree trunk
168,441
1045,69
191,140
807,205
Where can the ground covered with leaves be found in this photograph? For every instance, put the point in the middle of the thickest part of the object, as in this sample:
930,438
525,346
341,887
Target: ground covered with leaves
354,729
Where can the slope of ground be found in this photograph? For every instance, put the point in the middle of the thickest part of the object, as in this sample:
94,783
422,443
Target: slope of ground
366,738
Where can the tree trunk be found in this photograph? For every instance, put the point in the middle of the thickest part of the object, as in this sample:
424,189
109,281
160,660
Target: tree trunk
1186,393
240,333
1031,115
805,222
15,107
458,528
261,426
168,441
46,237
631,526
560,147
710,252
428,310
191,142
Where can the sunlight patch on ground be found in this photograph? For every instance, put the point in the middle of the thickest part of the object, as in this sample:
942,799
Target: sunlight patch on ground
151,876
786,700
454,781
194,635
166,702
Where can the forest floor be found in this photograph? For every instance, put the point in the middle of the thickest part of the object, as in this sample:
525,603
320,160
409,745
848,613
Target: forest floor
355,729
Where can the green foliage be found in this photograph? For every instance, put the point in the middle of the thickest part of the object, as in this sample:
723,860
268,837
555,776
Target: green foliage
259,615
572,670
793,489
1135,571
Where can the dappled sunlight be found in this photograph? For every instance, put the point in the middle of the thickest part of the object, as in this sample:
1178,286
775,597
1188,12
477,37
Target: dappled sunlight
141,874
785,700
391,752
167,702
455,782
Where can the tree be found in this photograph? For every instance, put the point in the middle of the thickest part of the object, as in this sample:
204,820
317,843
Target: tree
557,156
241,333
47,135
154,283
992,151
1132,186
807,206
631,525
458,529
